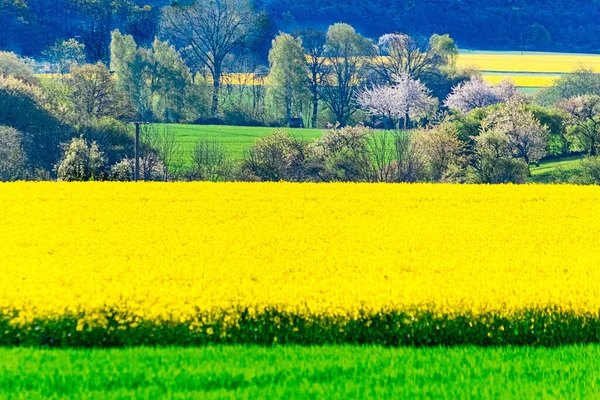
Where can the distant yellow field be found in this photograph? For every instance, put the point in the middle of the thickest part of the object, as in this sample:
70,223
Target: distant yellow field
540,62
522,80
528,70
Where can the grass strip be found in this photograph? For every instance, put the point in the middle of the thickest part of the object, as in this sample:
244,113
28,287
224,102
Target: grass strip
293,372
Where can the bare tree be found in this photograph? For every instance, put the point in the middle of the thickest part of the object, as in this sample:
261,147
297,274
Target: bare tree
207,31
168,150
210,162
400,54
313,42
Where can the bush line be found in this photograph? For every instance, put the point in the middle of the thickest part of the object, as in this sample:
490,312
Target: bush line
540,327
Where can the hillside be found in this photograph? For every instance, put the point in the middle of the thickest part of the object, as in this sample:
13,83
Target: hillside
28,26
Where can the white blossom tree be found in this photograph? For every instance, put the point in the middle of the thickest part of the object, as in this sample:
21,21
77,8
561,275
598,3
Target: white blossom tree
406,99
476,93
526,138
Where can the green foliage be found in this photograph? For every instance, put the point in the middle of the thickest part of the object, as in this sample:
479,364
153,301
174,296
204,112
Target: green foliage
443,49
590,167
81,162
64,54
58,100
345,50
469,125
441,148
12,155
583,129
133,70
494,162
114,139
12,65
343,154
172,81
555,121
287,76
96,95
537,36
156,80
582,81
22,107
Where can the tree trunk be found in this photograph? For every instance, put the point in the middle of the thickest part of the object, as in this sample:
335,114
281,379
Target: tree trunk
288,111
313,122
214,109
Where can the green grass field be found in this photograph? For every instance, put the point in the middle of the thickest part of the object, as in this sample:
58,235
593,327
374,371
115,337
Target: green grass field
236,139
301,373
543,173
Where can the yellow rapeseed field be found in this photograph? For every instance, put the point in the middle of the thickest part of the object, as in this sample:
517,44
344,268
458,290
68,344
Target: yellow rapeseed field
529,62
522,80
189,252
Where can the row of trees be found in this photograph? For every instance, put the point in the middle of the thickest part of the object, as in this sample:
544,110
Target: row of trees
336,77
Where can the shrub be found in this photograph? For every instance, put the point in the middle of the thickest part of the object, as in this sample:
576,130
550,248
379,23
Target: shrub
279,157
81,162
122,171
344,154
209,162
12,155
12,65
441,148
590,170
113,138
151,169
494,162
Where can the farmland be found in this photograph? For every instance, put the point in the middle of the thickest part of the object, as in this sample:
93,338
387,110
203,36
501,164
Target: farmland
527,70
298,263
235,139
293,372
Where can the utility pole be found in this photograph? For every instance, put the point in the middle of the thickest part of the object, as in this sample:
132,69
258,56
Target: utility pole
136,171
